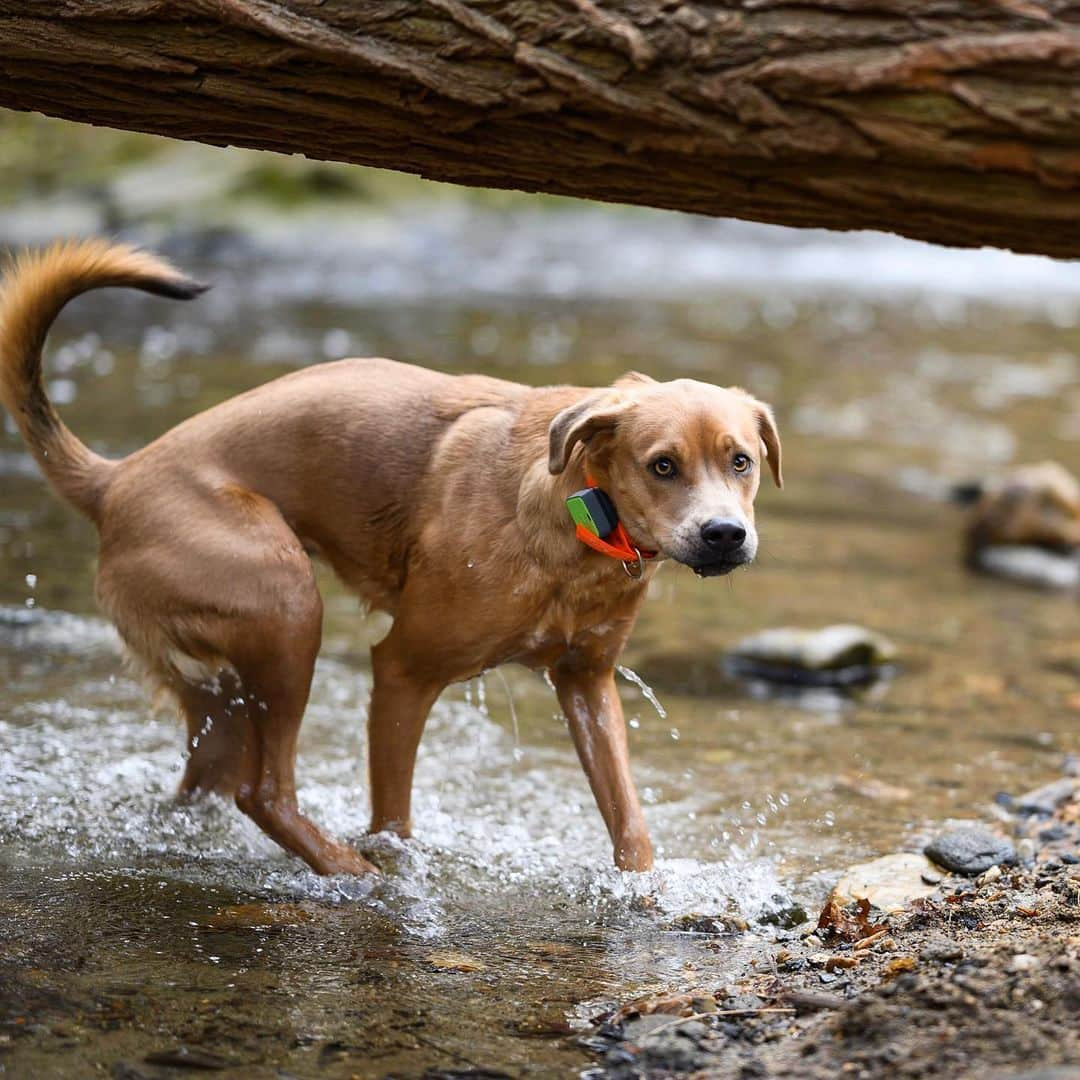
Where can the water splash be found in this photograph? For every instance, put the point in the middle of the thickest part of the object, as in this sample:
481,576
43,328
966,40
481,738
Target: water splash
491,829
632,676
518,752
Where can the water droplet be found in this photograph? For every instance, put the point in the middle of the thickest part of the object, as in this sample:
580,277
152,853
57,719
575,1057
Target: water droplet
644,687
31,581
675,733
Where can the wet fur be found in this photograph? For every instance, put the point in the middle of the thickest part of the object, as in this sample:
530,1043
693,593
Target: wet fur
438,499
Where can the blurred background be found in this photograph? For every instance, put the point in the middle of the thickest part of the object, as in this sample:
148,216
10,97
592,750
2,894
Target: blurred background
896,370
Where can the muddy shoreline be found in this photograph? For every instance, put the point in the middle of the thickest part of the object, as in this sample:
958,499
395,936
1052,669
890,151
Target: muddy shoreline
979,979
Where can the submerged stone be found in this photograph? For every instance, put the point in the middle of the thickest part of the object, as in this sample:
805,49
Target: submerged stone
833,655
1030,565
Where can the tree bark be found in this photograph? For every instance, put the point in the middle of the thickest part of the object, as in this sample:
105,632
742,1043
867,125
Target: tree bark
956,121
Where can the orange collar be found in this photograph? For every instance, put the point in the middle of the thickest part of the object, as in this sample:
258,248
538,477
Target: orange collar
618,544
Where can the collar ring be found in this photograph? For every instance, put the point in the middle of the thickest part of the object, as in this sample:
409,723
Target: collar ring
635,570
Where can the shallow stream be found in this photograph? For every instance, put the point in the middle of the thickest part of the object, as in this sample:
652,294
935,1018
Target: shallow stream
130,925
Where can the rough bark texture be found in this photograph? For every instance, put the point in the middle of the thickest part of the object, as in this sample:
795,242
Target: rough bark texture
956,121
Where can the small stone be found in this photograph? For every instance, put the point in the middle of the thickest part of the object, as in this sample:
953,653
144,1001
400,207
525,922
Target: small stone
1046,799
809,1001
970,850
713,925
899,965
942,952
642,1026
452,960
1023,962
989,876
188,1057
1025,850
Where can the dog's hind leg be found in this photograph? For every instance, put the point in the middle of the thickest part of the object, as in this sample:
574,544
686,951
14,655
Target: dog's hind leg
236,603
276,683
216,719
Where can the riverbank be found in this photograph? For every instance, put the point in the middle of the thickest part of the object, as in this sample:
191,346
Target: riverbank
979,979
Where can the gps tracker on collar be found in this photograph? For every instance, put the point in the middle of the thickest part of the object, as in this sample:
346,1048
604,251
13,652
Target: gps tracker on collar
592,509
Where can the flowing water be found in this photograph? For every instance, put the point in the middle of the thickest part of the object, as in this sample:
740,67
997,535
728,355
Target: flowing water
131,925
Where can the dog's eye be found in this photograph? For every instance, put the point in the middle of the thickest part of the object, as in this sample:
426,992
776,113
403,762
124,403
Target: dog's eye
664,467
741,463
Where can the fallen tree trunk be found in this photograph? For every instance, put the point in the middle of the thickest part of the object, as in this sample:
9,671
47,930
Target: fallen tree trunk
956,121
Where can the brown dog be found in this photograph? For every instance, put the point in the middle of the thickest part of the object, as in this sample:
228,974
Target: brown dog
1027,505
437,498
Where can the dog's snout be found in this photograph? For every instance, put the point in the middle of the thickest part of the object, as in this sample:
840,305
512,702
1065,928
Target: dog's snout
723,535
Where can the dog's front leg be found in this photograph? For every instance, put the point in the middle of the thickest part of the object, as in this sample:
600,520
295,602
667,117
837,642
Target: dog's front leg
400,702
591,703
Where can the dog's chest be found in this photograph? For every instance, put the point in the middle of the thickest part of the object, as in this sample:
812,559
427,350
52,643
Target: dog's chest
549,628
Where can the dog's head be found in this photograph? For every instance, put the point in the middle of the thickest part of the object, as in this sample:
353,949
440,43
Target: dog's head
682,461
1030,504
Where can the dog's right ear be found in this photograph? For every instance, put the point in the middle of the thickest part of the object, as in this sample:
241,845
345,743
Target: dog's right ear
600,411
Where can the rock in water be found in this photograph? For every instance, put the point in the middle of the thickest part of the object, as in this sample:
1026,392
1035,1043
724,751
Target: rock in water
1030,566
970,850
834,655
1046,799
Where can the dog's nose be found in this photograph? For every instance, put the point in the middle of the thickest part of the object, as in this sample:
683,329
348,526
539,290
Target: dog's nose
723,535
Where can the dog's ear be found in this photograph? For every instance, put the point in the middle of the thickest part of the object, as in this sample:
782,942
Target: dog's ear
634,378
600,411
771,438
766,425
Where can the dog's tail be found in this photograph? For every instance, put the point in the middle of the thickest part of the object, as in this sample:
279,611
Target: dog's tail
35,287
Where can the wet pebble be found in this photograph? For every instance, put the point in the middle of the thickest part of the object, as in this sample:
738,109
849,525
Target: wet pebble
188,1057
716,925
970,850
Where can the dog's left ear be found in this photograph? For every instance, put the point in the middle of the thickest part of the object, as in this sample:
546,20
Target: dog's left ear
771,438
600,411
766,424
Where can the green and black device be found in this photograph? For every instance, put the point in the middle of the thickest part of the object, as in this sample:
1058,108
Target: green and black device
593,510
